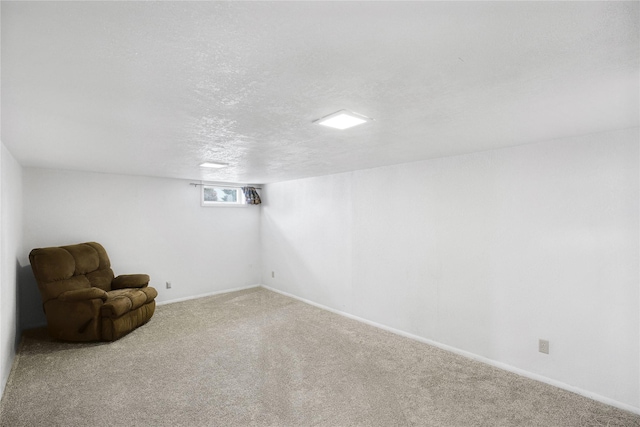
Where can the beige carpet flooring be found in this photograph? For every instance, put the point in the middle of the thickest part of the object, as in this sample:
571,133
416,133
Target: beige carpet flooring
257,358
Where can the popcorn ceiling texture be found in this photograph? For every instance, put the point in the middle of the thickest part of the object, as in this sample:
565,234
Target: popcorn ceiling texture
257,358
156,88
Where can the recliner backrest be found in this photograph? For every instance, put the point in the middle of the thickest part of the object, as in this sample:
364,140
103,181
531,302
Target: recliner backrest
66,268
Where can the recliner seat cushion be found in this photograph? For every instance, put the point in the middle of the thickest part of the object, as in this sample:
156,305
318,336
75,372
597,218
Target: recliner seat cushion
121,301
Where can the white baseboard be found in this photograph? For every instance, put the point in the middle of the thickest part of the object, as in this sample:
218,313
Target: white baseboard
500,365
208,294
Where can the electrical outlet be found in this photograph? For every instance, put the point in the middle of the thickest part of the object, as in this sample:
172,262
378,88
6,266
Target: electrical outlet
273,275
543,346
168,285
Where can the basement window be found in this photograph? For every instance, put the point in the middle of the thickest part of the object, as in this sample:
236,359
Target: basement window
217,195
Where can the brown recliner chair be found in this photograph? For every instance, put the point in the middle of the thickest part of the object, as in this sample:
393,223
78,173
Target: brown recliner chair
81,298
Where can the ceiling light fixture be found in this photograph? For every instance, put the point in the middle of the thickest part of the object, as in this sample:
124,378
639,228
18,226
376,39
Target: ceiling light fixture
213,165
343,119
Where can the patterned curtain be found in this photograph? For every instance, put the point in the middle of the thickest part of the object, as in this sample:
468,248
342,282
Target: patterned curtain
251,196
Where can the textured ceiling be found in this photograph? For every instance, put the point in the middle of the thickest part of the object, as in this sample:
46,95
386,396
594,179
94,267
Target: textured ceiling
156,88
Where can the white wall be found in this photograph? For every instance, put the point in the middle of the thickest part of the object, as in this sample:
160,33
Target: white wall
147,225
10,249
485,253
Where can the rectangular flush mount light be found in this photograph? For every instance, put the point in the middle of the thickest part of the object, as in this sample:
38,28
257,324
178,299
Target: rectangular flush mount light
213,165
343,119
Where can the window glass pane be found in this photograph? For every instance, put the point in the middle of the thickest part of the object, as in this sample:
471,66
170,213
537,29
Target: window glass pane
210,194
229,195
221,195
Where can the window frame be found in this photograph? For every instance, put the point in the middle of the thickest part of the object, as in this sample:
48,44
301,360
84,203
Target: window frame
241,202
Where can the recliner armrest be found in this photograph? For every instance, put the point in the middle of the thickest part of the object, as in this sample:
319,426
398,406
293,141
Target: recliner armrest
130,281
83,294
